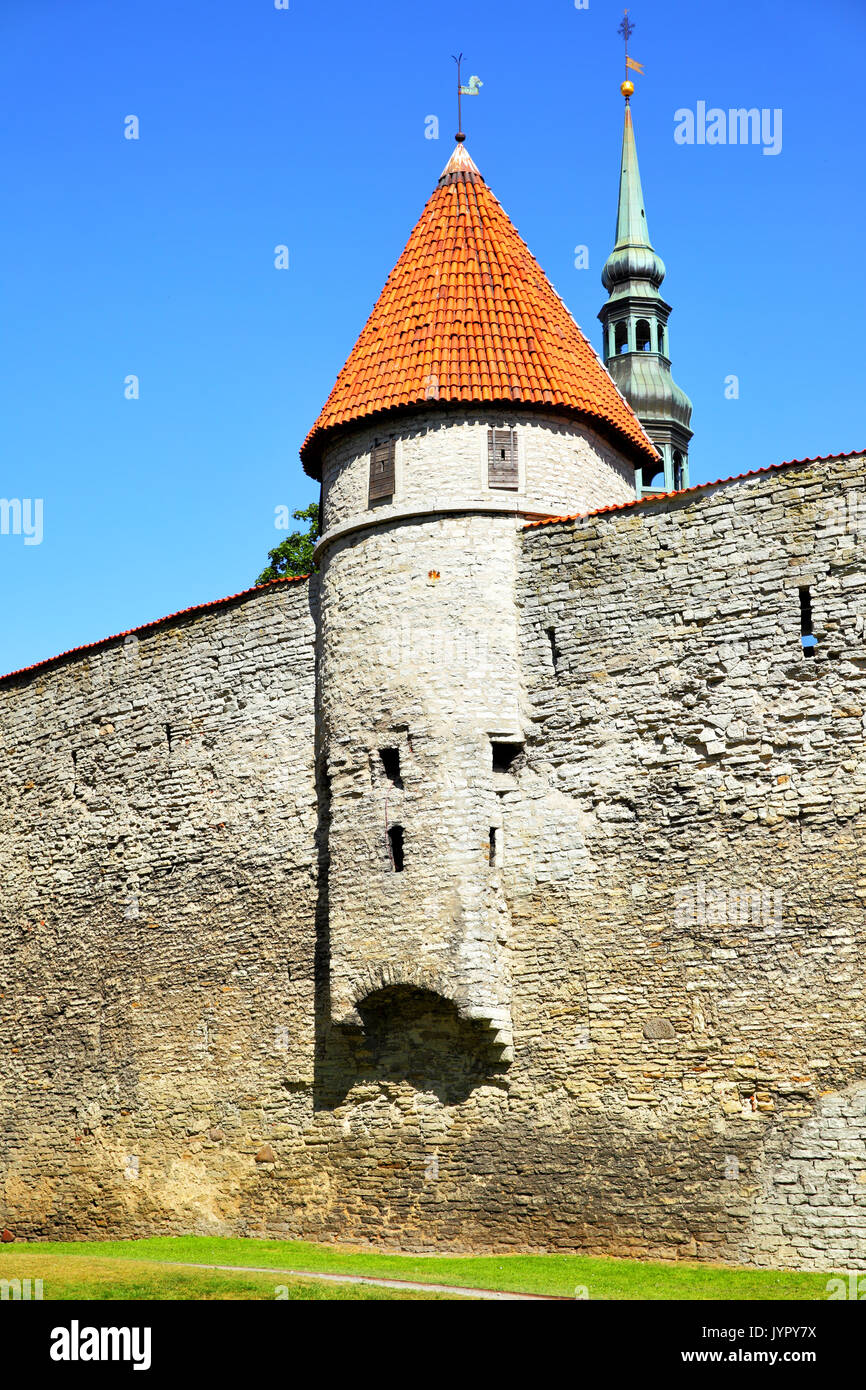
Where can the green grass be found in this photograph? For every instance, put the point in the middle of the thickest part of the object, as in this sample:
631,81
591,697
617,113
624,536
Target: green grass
71,1275
545,1274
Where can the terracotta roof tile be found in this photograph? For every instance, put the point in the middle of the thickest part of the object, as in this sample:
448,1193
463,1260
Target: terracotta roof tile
467,315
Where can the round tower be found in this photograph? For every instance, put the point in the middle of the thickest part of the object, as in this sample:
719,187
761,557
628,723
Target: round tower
635,319
470,404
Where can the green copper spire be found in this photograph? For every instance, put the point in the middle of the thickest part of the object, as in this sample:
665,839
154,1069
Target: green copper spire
633,254
635,328
631,227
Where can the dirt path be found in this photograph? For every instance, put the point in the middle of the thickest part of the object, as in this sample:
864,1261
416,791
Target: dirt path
491,1294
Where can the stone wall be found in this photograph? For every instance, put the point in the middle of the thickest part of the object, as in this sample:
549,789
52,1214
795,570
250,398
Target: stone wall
810,1208
441,462
711,778
420,665
157,927
420,662
680,867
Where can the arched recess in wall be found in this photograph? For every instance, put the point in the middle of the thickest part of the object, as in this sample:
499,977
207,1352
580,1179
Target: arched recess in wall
417,1035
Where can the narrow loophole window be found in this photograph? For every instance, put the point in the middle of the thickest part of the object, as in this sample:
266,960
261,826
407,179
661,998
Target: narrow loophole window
395,847
808,640
325,803
504,755
554,649
390,758
493,846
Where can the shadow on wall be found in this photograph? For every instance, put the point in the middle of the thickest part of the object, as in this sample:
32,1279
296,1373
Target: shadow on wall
409,1035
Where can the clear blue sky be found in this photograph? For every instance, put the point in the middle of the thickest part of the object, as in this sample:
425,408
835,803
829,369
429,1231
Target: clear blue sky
306,127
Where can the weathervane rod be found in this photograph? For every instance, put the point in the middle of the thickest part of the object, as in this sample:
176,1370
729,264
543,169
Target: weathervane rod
458,58
626,28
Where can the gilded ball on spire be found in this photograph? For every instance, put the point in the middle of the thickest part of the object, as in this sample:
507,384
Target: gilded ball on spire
627,89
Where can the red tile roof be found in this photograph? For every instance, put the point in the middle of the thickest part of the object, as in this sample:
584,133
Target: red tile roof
467,315
698,487
148,627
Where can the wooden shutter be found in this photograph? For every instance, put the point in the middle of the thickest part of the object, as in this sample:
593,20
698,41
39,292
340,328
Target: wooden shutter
382,470
502,458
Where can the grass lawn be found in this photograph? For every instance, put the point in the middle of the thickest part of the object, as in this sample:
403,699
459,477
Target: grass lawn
72,1275
106,1263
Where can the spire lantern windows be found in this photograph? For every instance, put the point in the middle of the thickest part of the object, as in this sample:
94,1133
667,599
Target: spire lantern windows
636,339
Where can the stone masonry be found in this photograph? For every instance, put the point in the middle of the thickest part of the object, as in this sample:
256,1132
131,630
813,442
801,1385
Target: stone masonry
420,663
630,1021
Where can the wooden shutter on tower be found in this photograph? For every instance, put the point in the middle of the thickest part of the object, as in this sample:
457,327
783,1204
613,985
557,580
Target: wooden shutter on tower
502,458
382,470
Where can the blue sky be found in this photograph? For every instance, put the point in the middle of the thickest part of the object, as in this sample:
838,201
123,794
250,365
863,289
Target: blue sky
306,127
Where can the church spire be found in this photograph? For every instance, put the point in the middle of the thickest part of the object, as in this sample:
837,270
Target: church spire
635,317
632,232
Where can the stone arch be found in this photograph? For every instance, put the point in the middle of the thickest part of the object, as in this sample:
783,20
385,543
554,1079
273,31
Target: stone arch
389,975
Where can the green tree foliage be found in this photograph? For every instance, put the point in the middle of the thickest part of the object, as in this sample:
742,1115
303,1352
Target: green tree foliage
294,555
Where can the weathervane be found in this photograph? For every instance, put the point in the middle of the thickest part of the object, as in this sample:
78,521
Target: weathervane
626,28
472,90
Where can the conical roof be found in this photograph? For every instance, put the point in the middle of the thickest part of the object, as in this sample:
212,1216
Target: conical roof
468,316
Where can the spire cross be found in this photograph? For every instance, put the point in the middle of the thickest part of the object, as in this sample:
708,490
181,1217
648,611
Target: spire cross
626,28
